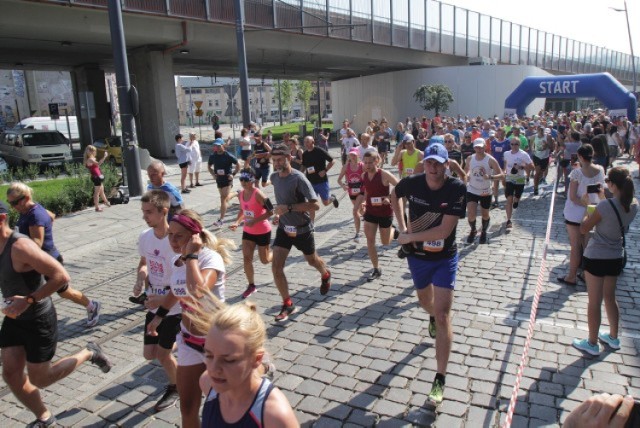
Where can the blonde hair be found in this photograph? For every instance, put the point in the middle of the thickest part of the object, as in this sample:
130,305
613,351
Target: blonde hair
243,318
19,190
89,151
222,246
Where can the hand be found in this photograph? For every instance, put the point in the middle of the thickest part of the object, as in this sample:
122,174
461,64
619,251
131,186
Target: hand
233,226
194,245
600,411
585,199
280,209
386,201
276,220
153,301
17,306
322,173
404,238
104,156
152,327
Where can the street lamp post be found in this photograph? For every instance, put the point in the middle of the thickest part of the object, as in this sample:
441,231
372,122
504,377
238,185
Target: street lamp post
633,58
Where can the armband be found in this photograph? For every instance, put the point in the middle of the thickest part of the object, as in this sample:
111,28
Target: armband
267,204
162,312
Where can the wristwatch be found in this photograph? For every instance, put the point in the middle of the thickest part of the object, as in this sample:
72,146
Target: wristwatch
192,256
31,300
290,207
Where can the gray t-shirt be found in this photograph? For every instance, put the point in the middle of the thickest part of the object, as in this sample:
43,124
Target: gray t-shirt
293,189
606,242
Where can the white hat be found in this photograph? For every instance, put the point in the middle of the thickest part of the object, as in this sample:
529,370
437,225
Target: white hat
479,142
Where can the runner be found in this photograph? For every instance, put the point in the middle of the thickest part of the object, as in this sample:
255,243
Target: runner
317,163
196,160
262,156
296,153
409,158
541,145
198,267
219,165
154,277
36,222
156,172
29,332
436,202
482,169
378,212
516,164
383,140
295,197
365,146
255,210
499,146
245,147
352,171
348,142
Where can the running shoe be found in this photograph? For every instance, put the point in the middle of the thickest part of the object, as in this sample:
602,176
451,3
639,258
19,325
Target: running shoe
375,274
336,204
437,392
99,358
218,223
543,181
93,315
138,300
483,237
494,205
535,192
249,291
585,346
286,312
356,238
185,191
515,205
326,284
610,341
396,233
509,225
432,327
199,185
471,237
168,399
38,423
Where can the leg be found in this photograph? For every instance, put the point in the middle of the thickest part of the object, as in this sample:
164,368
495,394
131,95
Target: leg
370,230
224,194
103,196
13,365
611,304
495,189
190,394
248,248
594,291
442,301
356,215
277,266
75,296
425,299
48,373
472,208
266,256
575,241
96,196
168,361
197,174
183,178
385,235
191,179
316,261
509,207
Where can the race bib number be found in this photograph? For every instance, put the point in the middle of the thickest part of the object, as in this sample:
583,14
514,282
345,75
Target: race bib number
311,170
249,214
409,171
433,246
376,201
498,149
354,191
291,231
221,172
159,291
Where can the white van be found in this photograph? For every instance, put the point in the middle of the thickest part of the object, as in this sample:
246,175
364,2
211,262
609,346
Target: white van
48,124
22,147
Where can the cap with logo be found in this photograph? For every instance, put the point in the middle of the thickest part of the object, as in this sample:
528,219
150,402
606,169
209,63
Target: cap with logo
437,152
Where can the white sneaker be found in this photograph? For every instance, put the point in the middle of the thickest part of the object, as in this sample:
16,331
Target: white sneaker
218,224
94,315
356,238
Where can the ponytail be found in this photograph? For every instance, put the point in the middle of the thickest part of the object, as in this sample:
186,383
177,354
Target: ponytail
626,193
221,246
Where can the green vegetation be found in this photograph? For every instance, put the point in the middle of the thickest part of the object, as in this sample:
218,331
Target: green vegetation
293,129
284,90
434,97
304,92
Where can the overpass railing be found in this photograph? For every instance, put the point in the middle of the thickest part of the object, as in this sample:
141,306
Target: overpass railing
426,25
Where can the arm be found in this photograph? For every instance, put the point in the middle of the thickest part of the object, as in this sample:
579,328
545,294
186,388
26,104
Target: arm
278,411
210,169
260,198
498,175
141,276
343,171
589,222
573,193
398,209
301,207
454,166
396,157
36,233
449,222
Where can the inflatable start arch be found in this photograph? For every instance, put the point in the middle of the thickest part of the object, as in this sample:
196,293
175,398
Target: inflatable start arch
602,86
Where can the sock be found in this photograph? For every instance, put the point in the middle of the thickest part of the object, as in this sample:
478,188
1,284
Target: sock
473,225
485,225
287,301
515,204
252,285
326,275
91,306
441,377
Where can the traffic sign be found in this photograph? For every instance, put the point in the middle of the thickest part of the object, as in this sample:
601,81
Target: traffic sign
199,112
198,104
53,111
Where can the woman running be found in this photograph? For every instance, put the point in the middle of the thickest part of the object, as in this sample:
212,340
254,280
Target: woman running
353,170
93,166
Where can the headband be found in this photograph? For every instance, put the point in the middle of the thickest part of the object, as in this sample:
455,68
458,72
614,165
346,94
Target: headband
247,176
188,223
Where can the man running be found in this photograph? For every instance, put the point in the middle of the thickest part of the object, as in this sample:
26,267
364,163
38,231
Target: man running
262,155
436,202
219,165
408,158
378,213
499,146
541,144
316,163
364,146
481,169
295,197
29,332
154,277
516,163
156,172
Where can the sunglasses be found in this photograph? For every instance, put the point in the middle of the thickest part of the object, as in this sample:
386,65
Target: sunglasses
16,201
515,144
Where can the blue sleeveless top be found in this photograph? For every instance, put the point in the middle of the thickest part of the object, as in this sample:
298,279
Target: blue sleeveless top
253,418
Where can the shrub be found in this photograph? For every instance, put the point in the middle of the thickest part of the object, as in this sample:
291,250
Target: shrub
51,173
31,171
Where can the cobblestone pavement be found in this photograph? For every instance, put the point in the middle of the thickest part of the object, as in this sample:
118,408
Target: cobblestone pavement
361,355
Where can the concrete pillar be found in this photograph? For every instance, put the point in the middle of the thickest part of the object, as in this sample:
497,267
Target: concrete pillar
157,122
90,98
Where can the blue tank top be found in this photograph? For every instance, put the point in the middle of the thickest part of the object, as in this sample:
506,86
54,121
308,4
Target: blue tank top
253,418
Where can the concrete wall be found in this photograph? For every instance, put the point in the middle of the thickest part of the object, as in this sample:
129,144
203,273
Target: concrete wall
477,90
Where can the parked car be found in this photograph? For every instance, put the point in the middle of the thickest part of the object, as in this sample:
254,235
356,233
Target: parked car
111,145
47,124
21,147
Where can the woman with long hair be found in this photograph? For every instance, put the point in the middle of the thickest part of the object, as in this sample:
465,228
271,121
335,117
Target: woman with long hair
198,270
97,178
586,186
352,171
604,258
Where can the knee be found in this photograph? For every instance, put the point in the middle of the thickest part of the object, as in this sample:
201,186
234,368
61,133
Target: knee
149,355
264,259
39,380
246,259
443,317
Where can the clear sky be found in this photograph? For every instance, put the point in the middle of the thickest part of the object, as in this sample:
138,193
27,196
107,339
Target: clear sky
589,21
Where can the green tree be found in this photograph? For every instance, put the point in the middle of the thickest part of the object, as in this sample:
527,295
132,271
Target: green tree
434,97
304,92
284,89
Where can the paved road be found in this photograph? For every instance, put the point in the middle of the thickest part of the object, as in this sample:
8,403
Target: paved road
361,355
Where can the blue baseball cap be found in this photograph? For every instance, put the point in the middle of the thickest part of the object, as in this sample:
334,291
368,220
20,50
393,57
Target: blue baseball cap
436,151
436,139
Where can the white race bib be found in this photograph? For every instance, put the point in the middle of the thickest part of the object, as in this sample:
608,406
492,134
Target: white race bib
498,149
433,246
353,191
221,172
291,231
249,214
409,171
376,201
311,170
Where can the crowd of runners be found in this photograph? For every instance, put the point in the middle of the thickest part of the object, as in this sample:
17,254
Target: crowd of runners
412,184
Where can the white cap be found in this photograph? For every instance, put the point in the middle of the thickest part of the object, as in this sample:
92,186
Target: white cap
479,142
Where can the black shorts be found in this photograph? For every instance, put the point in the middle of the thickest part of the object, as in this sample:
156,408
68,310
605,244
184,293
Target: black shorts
383,146
354,197
542,163
38,336
184,164
512,189
244,154
564,163
222,182
304,242
167,331
602,267
485,201
97,180
571,223
260,240
382,222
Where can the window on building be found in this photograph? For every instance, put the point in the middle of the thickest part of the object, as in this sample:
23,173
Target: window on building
210,103
217,103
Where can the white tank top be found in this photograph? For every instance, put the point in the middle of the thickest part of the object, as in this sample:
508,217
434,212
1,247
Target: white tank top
478,170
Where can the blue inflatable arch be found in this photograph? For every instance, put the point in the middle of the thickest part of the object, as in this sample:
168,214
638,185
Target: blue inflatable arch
602,86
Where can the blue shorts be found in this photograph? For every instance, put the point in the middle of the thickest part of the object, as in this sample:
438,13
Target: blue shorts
262,174
440,273
322,190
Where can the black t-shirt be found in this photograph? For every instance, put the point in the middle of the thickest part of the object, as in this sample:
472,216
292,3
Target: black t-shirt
259,149
314,161
456,156
222,164
428,207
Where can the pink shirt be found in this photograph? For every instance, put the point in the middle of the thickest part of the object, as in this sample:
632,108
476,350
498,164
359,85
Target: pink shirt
252,209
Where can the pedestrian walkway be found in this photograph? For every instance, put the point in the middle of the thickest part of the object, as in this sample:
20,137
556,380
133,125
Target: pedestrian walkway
360,356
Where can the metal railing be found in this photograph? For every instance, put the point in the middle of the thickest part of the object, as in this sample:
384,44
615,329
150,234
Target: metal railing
426,25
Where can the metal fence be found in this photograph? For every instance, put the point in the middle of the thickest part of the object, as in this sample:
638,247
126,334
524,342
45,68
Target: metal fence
426,25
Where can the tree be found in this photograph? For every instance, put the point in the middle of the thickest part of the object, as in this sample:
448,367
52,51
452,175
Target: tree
304,92
434,97
284,89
